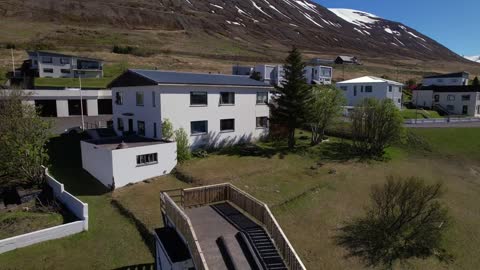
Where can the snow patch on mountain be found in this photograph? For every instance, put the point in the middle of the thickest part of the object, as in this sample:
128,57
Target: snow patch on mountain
473,58
359,18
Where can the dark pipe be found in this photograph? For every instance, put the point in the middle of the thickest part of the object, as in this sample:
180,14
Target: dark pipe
226,254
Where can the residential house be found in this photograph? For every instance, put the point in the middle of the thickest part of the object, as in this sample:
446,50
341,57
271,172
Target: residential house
451,79
357,89
274,74
55,65
452,100
344,59
214,109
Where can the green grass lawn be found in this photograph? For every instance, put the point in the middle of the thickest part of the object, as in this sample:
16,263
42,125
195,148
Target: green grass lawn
19,222
110,73
112,240
412,114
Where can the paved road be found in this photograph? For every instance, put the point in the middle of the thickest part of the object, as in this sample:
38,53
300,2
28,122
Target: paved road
444,125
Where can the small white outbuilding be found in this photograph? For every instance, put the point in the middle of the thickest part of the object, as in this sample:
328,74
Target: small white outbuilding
118,161
356,90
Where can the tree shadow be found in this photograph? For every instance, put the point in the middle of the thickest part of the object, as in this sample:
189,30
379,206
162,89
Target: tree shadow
66,165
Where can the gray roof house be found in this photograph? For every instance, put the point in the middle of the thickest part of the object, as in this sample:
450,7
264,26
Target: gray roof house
56,65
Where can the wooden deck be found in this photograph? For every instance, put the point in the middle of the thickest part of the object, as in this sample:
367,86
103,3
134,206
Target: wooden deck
209,226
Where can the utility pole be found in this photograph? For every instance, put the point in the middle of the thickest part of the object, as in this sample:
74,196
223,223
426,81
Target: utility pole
81,99
13,62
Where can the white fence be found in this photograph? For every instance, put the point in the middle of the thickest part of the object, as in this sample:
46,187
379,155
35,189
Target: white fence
442,120
77,207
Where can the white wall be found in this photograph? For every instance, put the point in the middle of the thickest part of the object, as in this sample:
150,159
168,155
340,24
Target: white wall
379,91
78,208
125,169
428,97
92,107
98,162
422,98
176,107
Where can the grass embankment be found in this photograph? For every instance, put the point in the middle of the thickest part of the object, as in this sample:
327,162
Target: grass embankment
419,114
19,222
110,73
313,190
112,240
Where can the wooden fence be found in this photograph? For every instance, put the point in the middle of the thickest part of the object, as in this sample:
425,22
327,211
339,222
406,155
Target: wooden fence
257,209
182,224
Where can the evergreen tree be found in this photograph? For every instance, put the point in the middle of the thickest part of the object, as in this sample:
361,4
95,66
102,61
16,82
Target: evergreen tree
476,81
290,105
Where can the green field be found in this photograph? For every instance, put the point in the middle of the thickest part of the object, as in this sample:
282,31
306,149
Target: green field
311,191
419,114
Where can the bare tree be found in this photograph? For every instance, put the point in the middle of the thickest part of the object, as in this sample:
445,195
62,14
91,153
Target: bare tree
405,220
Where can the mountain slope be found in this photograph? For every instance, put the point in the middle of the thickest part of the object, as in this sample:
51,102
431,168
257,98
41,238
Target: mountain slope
248,22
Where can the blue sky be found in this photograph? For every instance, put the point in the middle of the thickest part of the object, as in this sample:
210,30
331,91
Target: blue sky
455,24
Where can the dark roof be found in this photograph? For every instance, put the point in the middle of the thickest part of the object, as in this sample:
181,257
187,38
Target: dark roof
139,77
453,88
174,246
53,54
347,58
462,74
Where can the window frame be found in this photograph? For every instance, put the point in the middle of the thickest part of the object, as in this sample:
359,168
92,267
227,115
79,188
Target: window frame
137,94
227,104
44,61
466,97
390,88
451,98
50,70
139,123
148,159
119,98
368,89
261,126
192,93
264,101
198,133
121,126
227,130
154,101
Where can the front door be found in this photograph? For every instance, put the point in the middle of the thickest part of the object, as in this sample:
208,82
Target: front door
130,125
465,109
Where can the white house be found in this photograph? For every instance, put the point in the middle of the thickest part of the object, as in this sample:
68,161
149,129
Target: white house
454,100
274,74
356,90
451,79
214,109
118,161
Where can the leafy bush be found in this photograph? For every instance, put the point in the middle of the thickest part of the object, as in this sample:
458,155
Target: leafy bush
405,220
142,52
167,130
122,49
200,153
183,145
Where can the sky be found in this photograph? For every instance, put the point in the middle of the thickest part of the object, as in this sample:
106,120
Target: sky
455,24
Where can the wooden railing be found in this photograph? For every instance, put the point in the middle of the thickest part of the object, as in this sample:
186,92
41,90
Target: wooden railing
227,192
184,227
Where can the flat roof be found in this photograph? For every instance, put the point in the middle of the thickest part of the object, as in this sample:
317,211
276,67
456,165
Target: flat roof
124,142
54,54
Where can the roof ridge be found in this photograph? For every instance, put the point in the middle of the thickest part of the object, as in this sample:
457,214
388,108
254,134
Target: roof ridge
188,72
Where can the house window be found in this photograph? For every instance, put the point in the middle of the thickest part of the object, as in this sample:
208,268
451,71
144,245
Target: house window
119,98
368,89
361,88
450,97
65,71
198,98
120,124
399,101
227,125
48,70
450,108
390,88
154,130
227,98
46,60
198,127
153,100
148,159
262,122
465,97
262,98
139,98
64,61
437,98
141,128
345,88
478,109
